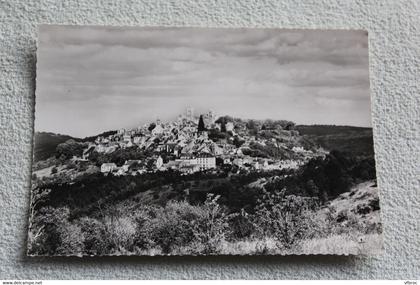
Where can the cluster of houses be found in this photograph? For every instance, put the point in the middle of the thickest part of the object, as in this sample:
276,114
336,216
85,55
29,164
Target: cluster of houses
186,165
177,145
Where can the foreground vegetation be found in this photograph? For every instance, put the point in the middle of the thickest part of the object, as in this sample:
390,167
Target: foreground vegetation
281,224
300,211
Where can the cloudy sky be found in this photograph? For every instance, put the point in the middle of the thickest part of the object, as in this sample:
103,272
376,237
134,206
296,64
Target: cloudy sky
94,79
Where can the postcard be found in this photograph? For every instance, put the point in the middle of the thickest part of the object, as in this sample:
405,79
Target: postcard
202,141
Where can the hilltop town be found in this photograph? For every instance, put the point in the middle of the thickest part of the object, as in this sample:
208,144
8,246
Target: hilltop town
193,144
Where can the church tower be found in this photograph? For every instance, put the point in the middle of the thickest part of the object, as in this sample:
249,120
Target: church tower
190,113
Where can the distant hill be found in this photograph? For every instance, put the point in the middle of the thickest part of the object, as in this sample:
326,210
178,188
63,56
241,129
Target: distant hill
45,143
93,138
355,140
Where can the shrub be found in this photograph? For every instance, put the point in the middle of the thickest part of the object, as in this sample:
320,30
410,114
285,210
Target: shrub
171,226
72,239
212,225
94,236
51,233
241,226
348,222
183,228
285,218
120,232
142,218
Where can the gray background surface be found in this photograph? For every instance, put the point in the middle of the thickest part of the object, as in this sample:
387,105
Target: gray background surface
394,39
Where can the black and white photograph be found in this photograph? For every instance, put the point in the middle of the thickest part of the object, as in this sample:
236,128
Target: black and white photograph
202,141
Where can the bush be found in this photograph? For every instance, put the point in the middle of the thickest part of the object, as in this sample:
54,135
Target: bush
120,232
51,233
286,218
241,226
182,228
347,222
212,225
171,226
72,239
95,236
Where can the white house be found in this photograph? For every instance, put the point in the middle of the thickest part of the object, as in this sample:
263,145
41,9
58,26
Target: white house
159,162
229,126
108,167
204,135
239,152
120,172
238,162
256,165
265,164
216,150
189,169
202,162
206,162
105,149
227,161
137,140
288,164
157,130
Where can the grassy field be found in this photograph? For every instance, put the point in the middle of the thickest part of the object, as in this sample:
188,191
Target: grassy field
335,244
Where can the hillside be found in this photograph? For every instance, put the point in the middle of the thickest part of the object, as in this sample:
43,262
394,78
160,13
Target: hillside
45,144
354,140
360,204
350,223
